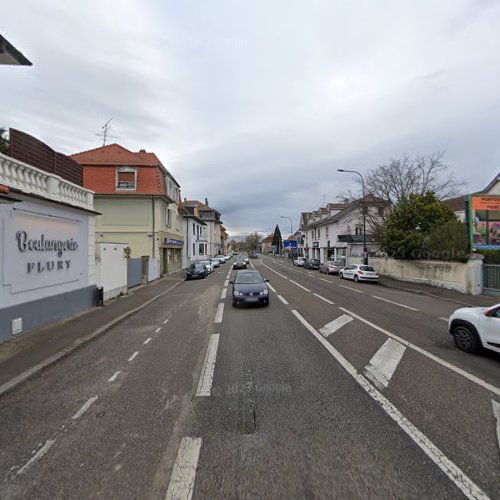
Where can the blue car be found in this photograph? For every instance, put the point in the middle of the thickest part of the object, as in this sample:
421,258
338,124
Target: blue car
249,287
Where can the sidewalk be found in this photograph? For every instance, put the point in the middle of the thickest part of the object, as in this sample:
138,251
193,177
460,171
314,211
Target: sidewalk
461,299
21,358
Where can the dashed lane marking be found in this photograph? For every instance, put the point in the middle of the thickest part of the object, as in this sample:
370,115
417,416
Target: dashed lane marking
207,373
335,325
323,279
323,298
114,376
454,473
165,322
395,303
442,362
349,288
442,318
37,456
147,341
158,329
272,288
384,362
282,300
496,412
223,294
219,313
184,472
133,356
226,283
84,408
300,286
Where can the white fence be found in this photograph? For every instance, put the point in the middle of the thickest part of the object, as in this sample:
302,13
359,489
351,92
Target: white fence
111,268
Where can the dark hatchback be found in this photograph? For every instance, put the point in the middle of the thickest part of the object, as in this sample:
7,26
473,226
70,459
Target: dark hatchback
240,264
196,271
312,264
249,287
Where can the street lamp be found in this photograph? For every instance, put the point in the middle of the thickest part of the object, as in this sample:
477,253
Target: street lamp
365,249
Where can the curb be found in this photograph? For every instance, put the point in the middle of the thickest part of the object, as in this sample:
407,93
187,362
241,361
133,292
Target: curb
23,377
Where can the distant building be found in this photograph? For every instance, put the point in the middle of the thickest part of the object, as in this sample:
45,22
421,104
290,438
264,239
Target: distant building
195,235
266,245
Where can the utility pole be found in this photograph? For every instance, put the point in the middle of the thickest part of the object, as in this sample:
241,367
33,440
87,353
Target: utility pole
363,209
104,134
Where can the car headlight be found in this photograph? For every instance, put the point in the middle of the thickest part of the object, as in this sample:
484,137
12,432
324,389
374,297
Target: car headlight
236,293
264,292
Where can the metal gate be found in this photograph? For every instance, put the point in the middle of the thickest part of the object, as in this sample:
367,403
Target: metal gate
134,272
491,279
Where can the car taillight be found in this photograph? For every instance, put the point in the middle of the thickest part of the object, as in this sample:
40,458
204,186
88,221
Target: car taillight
360,272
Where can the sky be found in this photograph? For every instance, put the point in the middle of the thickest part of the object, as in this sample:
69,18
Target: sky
254,105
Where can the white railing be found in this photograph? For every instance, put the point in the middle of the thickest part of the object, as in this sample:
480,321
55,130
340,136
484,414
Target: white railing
31,180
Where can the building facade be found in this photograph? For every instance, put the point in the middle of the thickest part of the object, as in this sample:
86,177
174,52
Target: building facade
139,202
195,236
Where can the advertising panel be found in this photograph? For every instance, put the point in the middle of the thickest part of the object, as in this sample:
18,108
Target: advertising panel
484,222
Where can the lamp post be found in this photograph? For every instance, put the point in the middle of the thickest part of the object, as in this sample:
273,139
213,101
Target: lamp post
365,249
290,219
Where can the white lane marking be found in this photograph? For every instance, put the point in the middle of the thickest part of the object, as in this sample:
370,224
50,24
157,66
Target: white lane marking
384,362
226,283
271,269
37,456
184,472
323,279
323,298
442,362
84,408
454,473
335,325
282,300
299,285
442,318
158,329
147,341
496,412
272,289
114,376
219,313
165,322
223,294
349,288
133,356
207,373
396,303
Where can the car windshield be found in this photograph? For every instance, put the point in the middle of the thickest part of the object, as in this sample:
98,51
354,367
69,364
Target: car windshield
248,278
366,268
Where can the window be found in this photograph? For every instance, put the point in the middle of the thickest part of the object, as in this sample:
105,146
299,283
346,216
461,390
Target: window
177,228
194,248
193,230
126,178
202,248
326,231
319,233
168,218
358,230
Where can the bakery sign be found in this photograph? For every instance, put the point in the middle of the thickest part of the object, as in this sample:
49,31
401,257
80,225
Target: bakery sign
42,250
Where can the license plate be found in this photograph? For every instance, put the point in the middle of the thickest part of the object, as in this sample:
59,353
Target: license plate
252,299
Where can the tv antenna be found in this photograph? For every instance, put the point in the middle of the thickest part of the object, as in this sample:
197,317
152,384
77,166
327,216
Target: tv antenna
104,134
324,200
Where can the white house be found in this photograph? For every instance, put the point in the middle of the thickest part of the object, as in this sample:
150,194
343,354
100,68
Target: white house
195,236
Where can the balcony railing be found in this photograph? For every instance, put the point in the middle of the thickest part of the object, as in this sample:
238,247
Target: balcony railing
31,180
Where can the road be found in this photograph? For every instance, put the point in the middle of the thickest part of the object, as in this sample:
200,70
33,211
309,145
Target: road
336,390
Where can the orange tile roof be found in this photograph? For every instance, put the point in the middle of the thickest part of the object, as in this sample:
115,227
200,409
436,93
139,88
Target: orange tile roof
116,155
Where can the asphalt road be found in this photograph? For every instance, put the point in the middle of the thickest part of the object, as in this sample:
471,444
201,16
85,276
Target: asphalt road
336,390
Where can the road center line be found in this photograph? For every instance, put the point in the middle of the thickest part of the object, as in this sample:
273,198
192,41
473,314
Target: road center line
133,356
299,285
335,325
226,283
442,362
114,376
395,303
282,300
158,329
271,288
84,408
384,362
184,472
37,456
207,373
323,279
223,294
455,474
349,288
165,322
219,313
442,318
271,269
323,298
147,341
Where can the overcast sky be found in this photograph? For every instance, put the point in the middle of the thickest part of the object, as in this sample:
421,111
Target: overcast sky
256,104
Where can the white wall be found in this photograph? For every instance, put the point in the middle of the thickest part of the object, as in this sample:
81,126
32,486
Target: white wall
153,269
111,268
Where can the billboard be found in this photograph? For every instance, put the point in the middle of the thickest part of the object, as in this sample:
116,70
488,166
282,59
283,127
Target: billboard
290,244
484,222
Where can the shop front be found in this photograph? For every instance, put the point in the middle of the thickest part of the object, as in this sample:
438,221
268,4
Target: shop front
171,254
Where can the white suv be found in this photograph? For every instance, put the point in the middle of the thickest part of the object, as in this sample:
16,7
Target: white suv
476,327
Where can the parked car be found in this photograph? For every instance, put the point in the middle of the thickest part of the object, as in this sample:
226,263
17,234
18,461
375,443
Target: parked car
246,259
249,287
253,255
359,272
239,264
215,262
311,264
220,258
330,267
209,265
196,271
299,261
235,252
476,327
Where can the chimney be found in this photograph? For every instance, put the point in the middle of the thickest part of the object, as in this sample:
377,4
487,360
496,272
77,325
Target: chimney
206,202
142,150
185,199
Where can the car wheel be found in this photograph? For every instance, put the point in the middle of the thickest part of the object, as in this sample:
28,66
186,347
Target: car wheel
356,279
341,276
234,304
466,338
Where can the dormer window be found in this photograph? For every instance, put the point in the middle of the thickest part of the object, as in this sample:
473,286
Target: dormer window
126,179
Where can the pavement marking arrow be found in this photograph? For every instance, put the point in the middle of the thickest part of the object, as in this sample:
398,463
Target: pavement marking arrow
335,325
384,362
